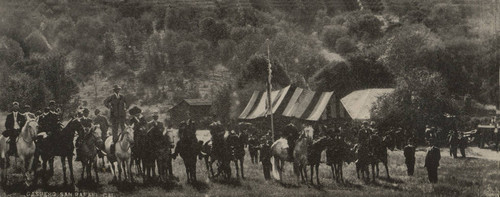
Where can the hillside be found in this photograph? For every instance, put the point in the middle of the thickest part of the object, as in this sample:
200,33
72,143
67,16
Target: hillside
162,51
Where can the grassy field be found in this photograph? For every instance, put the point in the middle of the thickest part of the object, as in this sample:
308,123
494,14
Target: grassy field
457,177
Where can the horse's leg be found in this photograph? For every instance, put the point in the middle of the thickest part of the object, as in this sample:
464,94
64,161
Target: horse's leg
113,170
208,168
129,169
373,171
51,165
242,173
103,164
70,165
341,172
312,174
317,173
186,165
387,169
237,168
63,163
29,165
96,169
119,162
126,175
193,168
304,172
376,165
83,170
44,170
333,171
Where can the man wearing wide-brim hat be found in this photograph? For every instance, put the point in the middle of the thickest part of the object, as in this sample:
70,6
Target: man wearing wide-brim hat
140,124
117,105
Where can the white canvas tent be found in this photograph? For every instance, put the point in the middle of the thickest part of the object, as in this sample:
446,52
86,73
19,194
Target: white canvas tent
358,104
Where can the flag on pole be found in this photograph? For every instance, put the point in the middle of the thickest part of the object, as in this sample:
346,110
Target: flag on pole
269,104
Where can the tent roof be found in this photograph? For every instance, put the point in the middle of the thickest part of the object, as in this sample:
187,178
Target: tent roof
291,102
359,103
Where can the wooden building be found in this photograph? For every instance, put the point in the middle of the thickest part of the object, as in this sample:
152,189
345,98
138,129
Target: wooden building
198,110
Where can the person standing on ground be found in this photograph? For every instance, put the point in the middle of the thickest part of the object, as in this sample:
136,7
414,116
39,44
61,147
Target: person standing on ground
453,142
117,105
265,158
462,144
432,163
409,152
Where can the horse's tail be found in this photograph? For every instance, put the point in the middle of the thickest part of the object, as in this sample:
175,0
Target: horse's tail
275,163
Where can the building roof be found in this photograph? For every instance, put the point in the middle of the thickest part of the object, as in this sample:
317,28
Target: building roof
359,103
198,102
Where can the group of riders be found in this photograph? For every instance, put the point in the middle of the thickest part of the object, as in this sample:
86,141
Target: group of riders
150,138
152,144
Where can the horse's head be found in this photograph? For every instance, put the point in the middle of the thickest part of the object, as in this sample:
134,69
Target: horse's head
30,128
388,141
128,133
322,142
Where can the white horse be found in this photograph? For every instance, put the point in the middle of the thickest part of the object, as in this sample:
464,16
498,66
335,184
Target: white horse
123,153
4,148
26,147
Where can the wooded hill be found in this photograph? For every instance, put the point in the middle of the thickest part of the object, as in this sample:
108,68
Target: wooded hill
164,51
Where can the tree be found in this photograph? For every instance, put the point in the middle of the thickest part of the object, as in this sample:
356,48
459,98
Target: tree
331,34
222,104
10,51
213,30
345,45
257,71
336,76
25,90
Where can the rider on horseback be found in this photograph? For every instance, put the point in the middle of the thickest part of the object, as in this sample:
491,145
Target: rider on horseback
291,133
86,123
13,124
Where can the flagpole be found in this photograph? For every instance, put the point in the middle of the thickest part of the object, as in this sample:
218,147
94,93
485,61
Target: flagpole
270,106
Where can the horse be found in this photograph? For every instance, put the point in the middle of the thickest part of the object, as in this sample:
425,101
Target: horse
123,153
363,155
314,155
4,148
336,154
300,161
164,157
279,151
25,145
215,150
88,147
379,148
188,148
155,140
59,144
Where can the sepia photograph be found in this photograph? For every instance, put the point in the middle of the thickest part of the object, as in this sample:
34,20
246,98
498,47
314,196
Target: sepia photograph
287,98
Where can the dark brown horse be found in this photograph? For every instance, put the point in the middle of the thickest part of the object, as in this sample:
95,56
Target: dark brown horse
60,143
378,146
363,156
314,155
188,148
215,151
337,153
88,147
